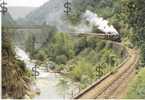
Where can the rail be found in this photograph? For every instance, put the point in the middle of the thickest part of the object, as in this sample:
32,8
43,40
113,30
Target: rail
103,78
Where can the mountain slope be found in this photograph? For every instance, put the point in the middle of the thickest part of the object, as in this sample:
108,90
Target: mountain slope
49,12
20,12
7,19
53,14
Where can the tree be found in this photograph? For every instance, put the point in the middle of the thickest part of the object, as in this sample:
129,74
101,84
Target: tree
30,44
40,55
109,57
83,72
135,12
61,44
61,59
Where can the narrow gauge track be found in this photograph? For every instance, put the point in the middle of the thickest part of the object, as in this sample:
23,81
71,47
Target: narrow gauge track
113,84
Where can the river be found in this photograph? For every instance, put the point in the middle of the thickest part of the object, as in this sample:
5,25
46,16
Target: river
46,81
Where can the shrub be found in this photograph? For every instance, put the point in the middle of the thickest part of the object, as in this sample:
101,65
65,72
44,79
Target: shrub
62,59
136,88
21,64
40,55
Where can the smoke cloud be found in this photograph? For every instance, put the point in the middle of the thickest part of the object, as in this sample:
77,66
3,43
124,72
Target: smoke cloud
99,22
88,16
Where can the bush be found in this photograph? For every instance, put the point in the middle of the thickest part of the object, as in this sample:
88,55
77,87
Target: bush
136,88
80,45
40,55
143,55
62,59
61,44
83,72
59,68
100,45
21,64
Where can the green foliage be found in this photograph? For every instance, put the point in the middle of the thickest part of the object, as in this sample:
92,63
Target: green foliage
130,20
109,57
84,68
90,55
60,67
80,44
21,65
136,89
83,72
104,8
143,54
100,45
61,46
61,59
83,43
40,55
92,42
80,59
136,15
30,44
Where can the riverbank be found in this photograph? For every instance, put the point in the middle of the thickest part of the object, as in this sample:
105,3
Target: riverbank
46,84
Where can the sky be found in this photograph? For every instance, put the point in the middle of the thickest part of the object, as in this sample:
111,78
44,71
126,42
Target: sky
27,3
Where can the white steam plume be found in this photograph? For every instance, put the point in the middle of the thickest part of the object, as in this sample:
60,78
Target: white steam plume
99,22
83,27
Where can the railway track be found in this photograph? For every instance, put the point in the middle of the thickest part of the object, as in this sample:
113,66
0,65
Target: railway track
113,84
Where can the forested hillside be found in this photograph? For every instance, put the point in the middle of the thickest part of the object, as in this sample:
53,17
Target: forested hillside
7,20
126,16
79,60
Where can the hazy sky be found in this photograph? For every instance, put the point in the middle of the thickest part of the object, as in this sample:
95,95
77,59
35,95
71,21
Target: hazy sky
29,3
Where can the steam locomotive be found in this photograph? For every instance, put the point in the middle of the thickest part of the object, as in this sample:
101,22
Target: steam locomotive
113,37
107,36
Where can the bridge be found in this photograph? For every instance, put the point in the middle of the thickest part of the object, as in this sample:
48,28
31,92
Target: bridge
24,26
6,28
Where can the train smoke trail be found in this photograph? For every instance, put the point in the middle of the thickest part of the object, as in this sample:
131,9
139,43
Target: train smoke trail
99,22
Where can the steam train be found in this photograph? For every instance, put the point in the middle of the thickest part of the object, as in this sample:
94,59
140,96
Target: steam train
107,36
113,37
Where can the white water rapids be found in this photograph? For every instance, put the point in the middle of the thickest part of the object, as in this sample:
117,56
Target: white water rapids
46,81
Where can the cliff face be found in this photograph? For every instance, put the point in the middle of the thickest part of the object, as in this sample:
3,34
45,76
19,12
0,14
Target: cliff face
15,83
